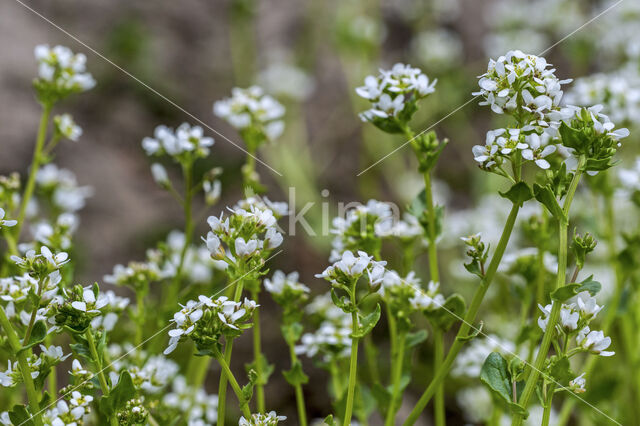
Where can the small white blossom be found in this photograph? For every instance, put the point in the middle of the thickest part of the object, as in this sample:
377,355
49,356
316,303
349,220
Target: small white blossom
4,222
594,342
66,127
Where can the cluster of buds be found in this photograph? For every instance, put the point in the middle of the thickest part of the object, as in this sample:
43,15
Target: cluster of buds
208,320
582,246
43,265
77,307
133,413
478,253
586,132
136,275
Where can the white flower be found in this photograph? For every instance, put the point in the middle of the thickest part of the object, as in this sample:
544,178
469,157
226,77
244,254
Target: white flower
54,353
577,385
538,150
568,317
252,108
4,222
269,419
67,127
594,342
245,248
89,303
160,175
7,377
586,304
630,178
281,281
212,191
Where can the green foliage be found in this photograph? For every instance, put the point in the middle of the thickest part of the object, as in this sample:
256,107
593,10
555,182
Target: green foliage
518,193
498,378
119,395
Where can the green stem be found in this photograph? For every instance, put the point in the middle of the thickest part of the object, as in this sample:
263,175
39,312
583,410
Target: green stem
431,217
546,415
244,406
353,363
35,166
612,309
97,362
396,396
469,318
302,414
188,233
222,386
140,315
257,357
438,339
25,370
563,225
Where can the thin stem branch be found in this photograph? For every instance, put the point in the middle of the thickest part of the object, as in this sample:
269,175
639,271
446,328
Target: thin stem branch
468,320
257,356
302,413
234,383
563,225
353,363
35,166
397,363
14,342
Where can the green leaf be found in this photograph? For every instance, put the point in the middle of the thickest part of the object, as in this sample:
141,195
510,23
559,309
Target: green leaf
569,290
496,376
341,302
518,193
247,390
474,332
545,195
20,416
447,315
295,376
571,137
414,339
367,322
561,371
38,333
119,395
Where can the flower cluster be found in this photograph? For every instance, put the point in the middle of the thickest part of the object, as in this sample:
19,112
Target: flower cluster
287,290
207,320
256,115
394,95
60,73
364,226
350,268
619,92
268,419
152,376
244,239
517,81
62,188
66,127
332,339
183,144
199,407
575,315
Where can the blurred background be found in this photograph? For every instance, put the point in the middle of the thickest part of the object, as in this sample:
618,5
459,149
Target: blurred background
310,55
